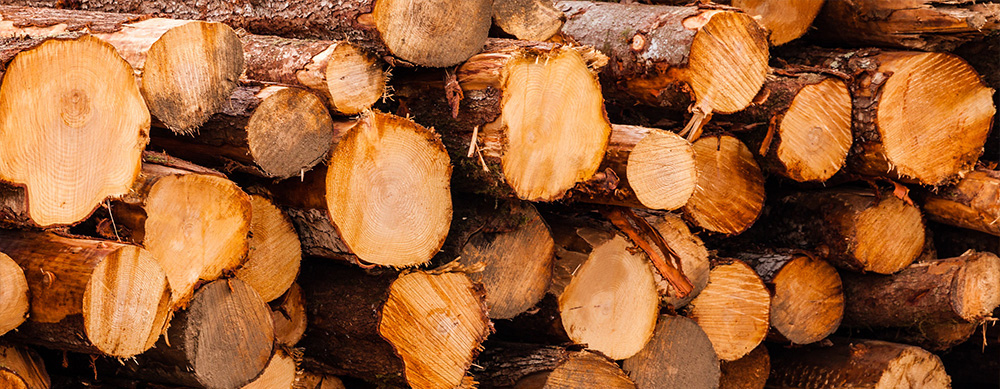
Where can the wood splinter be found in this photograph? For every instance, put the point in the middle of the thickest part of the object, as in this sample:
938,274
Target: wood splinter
640,232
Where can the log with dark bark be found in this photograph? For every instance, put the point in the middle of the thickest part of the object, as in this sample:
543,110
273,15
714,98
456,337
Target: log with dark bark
533,20
733,309
729,195
349,78
289,315
88,295
14,296
678,355
973,202
21,365
749,372
505,365
426,33
913,24
856,363
99,103
274,132
931,336
187,69
420,328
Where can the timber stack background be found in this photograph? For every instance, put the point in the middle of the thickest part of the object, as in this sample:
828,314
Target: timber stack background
499,193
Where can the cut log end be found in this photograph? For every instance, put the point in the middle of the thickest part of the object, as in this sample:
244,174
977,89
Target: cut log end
388,191
815,131
190,71
786,20
433,33
556,128
282,153
436,324
583,370
977,286
733,310
274,254
808,301
279,373
533,20
682,345
13,295
289,315
661,170
858,363
354,79
890,235
730,192
80,87
728,60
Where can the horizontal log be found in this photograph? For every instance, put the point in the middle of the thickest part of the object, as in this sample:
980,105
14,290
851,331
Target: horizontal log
525,365
856,363
973,202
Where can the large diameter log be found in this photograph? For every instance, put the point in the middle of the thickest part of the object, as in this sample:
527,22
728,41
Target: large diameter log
678,355
917,24
749,372
419,329
187,69
857,364
729,195
274,132
350,79
273,258
692,253
14,296
89,296
518,365
966,288
854,229
671,56
533,20
973,202
733,310
54,87
26,365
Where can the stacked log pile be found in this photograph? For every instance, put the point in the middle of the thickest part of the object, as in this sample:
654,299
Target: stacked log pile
578,194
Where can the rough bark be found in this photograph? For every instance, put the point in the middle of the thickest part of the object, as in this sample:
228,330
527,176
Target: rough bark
280,372
857,363
533,366
678,355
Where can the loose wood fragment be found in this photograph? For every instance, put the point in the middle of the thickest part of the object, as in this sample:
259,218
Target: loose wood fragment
26,365
730,192
973,202
857,363
733,310
274,254
289,315
533,20
14,296
678,342
749,372
533,366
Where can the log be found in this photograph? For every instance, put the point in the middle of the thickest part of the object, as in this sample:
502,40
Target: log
419,329
193,221
857,363
433,33
273,258
931,336
225,316
273,132
350,79
953,241
14,295
89,295
289,315
310,380
749,372
280,373
973,202
692,253
917,25
854,229
100,104
967,363
187,69
786,20
801,130
733,309
917,117
23,366
807,296
533,20
965,288
532,366
729,195
673,56
678,342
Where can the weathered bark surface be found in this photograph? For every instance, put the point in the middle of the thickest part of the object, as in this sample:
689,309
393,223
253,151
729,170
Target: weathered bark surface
973,202
678,355
931,336
749,372
733,309
527,365
857,363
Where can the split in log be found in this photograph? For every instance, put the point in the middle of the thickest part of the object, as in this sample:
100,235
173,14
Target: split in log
349,78
807,301
730,192
749,372
274,132
679,355
273,258
289,315
54,87
857,363
187,68
733,309
19,365
280,373
966,288
854,229
692,253
88,295
420,328
533,20
973,202
517,365
802,128
14,296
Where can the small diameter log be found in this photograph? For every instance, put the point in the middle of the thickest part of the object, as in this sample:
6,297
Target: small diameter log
419,328
693,257
224,339
518,365
730,192
749,372
807,301
349,79
280,372
856,363
88,295
194,221
274,132
733,309
273,258
533,20
289,315
973,202
673,56
966,288
679,355
187,69
55,87
919,24
14,296
802,128
854,229
20,365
